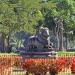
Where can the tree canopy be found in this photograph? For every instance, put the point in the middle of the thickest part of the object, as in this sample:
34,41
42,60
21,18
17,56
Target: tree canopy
16,15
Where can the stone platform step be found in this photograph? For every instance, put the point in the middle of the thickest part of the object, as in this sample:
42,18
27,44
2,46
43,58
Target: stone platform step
51,54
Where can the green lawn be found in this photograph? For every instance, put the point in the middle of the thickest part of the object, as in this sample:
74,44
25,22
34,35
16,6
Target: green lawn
9,54
64,53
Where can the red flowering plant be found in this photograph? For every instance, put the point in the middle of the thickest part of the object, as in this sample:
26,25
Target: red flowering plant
57,66
17,60
42,66
5,66
36,66
73,66
53,68
28,65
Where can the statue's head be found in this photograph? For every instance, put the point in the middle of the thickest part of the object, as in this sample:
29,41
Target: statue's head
44,32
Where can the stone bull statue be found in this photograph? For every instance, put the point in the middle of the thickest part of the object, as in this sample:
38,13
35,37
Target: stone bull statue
39,42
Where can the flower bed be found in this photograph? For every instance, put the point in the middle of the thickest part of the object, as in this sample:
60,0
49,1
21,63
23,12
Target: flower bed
38,66
7,63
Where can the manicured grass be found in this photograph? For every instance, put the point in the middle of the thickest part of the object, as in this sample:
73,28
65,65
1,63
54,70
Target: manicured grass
65,53
8,54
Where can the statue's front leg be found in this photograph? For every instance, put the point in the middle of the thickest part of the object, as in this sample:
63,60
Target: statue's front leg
49,47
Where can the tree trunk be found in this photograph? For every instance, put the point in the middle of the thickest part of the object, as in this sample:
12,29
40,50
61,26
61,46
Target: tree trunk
57,37
6,45
61,36
66,40
2,38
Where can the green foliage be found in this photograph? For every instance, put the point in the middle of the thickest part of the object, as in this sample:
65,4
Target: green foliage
16,15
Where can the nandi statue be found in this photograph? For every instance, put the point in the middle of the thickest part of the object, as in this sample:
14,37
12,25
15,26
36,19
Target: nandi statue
39,42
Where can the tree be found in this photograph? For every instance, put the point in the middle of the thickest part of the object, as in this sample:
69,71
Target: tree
63,10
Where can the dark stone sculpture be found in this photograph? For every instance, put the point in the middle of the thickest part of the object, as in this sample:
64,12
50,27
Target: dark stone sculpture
39,42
